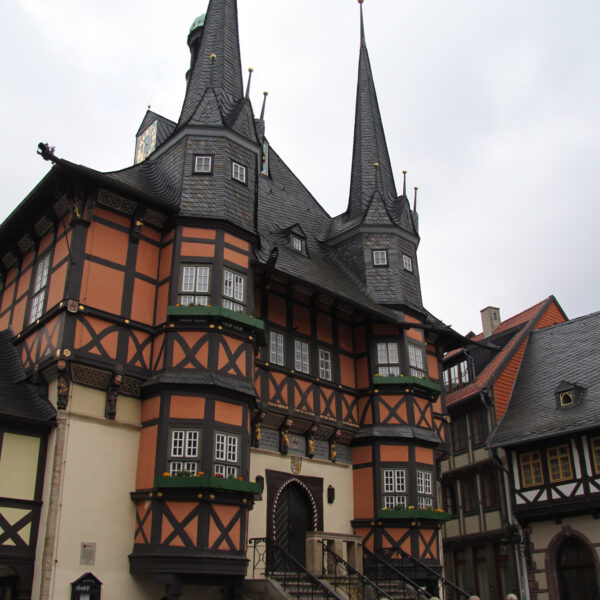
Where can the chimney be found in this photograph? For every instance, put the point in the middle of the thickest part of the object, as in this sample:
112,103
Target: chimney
490,319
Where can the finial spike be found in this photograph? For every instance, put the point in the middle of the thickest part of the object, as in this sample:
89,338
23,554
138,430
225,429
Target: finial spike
415,201
404,186
262,112
250,71
362,25
213,57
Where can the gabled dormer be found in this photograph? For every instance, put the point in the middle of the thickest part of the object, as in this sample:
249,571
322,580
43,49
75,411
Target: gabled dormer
568,394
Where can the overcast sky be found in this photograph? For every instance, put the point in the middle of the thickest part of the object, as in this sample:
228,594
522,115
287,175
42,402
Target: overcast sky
493,108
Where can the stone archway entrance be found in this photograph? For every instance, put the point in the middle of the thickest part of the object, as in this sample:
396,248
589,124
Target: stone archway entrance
576,570
293,517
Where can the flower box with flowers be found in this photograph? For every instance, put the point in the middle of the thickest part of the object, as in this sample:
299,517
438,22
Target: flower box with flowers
413,513
419,385
208,481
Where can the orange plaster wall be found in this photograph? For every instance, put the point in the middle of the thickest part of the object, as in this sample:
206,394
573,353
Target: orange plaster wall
347,375
150,409
426,535
61,249
186,407
277,310
197,249
11,275
232,414
365,408
198,233
24,281
235,241
393,453
102,287
7,297
4,321
425,408
393,401
424,455
107,242
302,319
345,337
111,216
145,470
142,305
28,260
226,513
44,243
324,328
235,257
362,372
362,454
162,299
164,270
380,329
396,533
147,259
56,289
363,493
360,339
151,233
19,315
415,334
432,367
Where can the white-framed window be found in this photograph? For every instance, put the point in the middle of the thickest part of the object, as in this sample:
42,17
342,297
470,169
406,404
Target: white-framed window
394,488
424,489
194,285
203,164
276,348
388,359
233,291
380,258
301,357
297,243
407,263
226,455
415,361
424,502
238,172
324,364
39,289
184,451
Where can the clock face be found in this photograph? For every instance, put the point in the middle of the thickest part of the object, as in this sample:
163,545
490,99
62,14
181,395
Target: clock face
146,143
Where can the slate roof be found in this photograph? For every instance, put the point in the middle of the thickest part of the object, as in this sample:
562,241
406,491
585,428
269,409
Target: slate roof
524,323
19,399
570,352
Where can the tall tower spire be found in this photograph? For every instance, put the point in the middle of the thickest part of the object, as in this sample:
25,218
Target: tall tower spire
370,147
217,36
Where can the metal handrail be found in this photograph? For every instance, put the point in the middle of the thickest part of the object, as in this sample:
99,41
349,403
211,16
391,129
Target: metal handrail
398,576
350,572
458,592
291,573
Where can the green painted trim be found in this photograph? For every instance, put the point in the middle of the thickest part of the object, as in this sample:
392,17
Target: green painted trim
209,481
218,313
407,380
412,514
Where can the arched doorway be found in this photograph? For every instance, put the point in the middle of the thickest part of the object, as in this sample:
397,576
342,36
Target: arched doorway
293,517
8,583
576,569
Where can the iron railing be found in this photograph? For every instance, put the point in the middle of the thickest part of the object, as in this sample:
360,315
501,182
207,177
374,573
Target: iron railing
387,576
343,575
287,571
418,569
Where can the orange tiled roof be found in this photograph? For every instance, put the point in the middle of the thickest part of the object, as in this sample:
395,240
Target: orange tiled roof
485,376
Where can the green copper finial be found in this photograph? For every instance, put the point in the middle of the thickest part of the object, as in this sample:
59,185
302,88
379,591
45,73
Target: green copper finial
198,23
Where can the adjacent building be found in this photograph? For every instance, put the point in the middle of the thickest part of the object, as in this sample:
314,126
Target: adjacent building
226,361
549,440
481,540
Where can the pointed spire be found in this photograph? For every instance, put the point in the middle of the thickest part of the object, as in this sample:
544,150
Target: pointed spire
369,140
219,37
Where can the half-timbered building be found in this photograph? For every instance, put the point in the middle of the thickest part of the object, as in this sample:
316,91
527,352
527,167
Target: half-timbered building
550,440
227,360
482,553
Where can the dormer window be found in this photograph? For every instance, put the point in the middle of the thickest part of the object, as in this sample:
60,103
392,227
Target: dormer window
297,243
203,165
407,263
238,172
380,258
568,394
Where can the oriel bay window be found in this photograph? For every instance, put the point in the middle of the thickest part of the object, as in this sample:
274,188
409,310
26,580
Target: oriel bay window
301,357
416,361
324,364
457,376
39,289
194,285
559,463
468,492
394,488
388,359
227,454
184,455
234,291
424,489
276,348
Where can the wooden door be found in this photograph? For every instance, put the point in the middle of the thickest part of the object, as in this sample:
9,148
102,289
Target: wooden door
292,520
577,577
